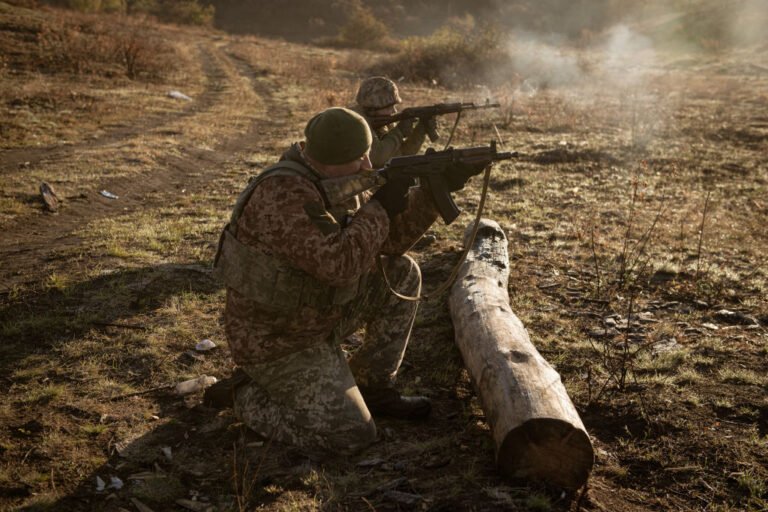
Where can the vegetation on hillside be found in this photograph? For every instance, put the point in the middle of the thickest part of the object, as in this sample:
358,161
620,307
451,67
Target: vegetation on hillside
190,12
460,53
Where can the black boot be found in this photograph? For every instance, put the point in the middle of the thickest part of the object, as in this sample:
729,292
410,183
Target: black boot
222,394
388,402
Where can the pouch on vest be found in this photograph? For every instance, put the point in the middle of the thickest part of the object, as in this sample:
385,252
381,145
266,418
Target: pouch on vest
265,279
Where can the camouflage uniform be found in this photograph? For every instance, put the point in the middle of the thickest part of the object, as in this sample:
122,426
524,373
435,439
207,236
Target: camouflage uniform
376,93
303,390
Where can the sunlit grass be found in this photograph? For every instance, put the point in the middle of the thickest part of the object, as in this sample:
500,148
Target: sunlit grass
741,376
44,394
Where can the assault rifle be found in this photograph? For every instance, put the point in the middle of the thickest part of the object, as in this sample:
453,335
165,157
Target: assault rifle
438,109
431,168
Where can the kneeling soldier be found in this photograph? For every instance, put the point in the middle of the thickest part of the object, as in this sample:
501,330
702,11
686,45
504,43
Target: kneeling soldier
301,276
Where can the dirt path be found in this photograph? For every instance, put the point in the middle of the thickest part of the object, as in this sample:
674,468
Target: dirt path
31,240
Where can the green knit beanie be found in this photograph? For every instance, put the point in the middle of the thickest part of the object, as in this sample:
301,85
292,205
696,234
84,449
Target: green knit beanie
337,136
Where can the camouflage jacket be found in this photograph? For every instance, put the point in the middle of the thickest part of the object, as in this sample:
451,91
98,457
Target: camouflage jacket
390,142
286,217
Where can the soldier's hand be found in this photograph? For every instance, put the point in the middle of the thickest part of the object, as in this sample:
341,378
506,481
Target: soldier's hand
429,125
393,195
458,173
406,127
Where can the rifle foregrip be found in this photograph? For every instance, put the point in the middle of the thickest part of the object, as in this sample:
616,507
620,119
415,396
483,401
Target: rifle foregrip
432,133
442,198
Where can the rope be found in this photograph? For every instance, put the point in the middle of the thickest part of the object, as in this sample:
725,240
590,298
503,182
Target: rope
453,130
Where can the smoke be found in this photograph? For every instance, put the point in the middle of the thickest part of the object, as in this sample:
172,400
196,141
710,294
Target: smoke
620,59
616,68
543,62
625,57
747,23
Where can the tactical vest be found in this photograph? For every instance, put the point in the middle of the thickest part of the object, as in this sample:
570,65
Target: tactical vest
268,280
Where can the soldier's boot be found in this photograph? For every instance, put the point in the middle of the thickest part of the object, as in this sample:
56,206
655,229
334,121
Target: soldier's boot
388,401
222,394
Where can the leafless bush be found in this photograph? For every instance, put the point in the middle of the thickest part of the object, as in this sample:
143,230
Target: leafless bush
142,55
83,44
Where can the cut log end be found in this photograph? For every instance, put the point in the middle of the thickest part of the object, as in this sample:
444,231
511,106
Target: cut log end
547,449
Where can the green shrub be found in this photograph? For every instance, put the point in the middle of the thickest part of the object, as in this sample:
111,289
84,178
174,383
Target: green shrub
361,29
188,12
458,54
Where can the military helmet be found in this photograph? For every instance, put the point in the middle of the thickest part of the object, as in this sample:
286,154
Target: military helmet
377,92
337,136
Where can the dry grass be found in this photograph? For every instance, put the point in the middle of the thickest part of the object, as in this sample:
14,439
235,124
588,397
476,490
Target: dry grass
607,219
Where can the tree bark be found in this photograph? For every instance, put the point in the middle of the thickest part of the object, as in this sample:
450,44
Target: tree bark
536,429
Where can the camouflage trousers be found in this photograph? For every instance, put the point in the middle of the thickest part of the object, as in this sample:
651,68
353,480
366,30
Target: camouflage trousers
310,397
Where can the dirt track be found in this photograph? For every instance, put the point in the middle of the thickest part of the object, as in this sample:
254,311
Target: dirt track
106,297
32,239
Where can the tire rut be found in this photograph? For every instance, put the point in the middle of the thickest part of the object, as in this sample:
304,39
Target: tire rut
34,240
13,158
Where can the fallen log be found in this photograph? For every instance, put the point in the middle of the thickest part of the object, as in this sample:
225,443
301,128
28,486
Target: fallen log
537,432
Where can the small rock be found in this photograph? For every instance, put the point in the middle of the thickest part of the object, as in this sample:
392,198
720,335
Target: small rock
178,95
609,322
115,483
50,199
205,345
711,327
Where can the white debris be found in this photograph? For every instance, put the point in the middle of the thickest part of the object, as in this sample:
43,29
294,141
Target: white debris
100,485
167,452
205,345
192,385
178,95
108,195
115,483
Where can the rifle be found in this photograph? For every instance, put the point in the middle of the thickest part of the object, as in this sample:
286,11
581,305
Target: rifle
439,109
431,168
